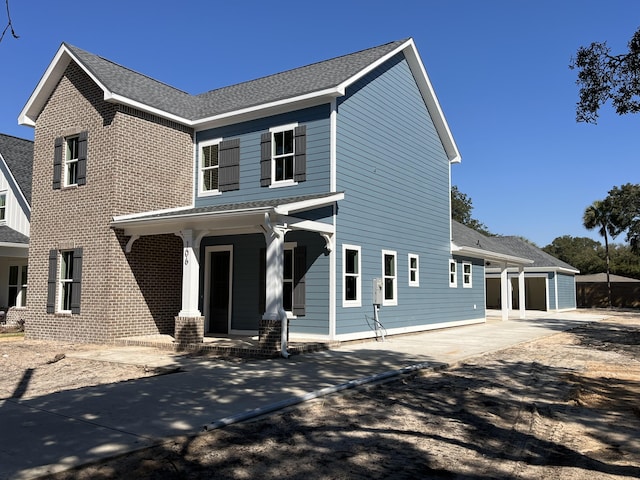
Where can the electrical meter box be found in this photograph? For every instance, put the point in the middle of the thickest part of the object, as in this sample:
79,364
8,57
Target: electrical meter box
377,291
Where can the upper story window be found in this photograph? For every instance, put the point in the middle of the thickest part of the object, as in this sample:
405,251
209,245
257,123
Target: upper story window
467,278
453,274
219,166
283,158
70,161
352,286
390,278
3,207
414,270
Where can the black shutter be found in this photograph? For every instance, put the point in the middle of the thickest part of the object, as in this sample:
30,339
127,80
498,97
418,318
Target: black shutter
262,283
77,281
52,281
229,165
57,163
300,162
81,178
299,280
265,159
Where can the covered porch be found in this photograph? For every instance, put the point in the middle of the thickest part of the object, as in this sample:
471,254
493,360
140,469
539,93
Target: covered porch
270,220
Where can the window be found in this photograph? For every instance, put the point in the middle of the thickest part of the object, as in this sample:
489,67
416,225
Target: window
283,159
3,206
219,166
414,270
352,287
453,274
466,275
209,167
389,278
293,279
70,161
17,286
65,276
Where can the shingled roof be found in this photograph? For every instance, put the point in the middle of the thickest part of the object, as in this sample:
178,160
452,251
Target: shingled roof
280,86
540,258
18,155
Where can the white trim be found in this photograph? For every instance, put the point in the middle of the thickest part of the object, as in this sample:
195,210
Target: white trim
333,145
394,301
60,282
207,287
358,301
466,284
488,255
453,284
134,216
200,179
287,182
416,282
294,207
333,294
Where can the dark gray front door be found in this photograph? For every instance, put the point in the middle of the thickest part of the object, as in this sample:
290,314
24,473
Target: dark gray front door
219,290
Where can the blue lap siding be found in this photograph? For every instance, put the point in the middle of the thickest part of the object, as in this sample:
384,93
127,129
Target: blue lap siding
395,174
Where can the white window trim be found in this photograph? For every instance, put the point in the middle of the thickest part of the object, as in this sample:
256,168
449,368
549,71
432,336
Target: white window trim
21,286
4,193
60,282
358,301
416,282
278,129
394,301
66,161
453,284
466,284
201,191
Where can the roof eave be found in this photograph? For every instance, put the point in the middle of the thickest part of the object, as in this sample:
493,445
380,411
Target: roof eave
492,256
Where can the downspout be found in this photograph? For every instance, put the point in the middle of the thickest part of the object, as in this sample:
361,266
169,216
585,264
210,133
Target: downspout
281,311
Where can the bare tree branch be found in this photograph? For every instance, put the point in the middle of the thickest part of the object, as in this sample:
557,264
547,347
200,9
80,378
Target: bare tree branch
9,26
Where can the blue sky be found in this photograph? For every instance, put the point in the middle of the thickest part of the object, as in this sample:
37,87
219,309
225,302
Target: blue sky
499,69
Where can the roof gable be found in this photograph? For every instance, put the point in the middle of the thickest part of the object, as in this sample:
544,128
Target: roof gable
17,154
317,82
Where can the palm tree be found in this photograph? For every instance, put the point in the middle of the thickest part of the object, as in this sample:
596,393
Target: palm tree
598,215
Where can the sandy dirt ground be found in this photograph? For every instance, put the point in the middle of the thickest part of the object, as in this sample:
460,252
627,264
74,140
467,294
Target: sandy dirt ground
562,407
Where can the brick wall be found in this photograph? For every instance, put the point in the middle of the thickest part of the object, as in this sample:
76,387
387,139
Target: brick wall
135,163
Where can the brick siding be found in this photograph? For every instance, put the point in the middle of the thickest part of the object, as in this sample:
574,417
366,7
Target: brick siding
135,162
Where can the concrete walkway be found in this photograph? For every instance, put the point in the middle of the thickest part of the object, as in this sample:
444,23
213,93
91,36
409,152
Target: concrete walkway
55,432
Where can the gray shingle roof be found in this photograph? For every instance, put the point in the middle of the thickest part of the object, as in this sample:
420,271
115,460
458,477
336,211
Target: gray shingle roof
524,249
9,235
280,86
464,236
18,154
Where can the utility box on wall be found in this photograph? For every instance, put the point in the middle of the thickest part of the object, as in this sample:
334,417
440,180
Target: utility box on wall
377,291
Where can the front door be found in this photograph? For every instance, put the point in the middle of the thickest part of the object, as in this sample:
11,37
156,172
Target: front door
219,291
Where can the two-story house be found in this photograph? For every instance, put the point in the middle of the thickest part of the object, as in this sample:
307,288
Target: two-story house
16,158
306,196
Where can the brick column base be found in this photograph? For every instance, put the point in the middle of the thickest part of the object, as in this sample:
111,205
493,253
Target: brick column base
270,334
189,330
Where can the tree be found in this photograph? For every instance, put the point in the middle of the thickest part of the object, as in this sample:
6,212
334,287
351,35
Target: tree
584,253
598,215
461,207
603,76
625,212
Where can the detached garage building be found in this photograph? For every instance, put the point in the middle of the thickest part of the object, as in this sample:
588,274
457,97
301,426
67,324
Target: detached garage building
550,284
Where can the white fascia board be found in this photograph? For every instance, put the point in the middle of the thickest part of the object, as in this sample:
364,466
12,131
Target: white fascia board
486,255
309,225
45,86
303,205
24,246
12,181
116,98
133,216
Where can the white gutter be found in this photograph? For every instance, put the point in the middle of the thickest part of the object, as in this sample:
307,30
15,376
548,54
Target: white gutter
486,255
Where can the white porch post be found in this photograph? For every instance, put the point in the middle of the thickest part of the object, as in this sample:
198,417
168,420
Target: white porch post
504,292
521,293
190,274
275,272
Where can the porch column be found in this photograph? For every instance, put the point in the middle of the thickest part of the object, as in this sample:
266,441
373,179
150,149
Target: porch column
504,292
271,326
521,293
190,272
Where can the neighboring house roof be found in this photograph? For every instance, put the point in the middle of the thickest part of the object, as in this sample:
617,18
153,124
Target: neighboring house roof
467,241
602,278
9,235
296,88
17,153
541,259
